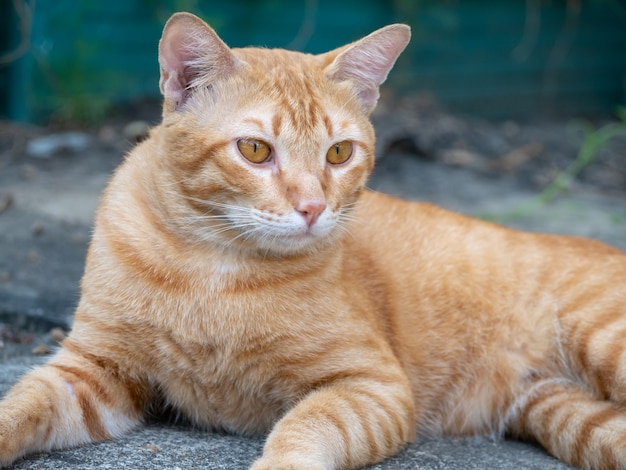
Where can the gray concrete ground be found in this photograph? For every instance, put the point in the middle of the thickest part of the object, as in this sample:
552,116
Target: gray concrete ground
45,222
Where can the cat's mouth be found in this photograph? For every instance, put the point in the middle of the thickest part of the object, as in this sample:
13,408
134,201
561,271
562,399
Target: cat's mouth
307,234
263,231
304,236
292,238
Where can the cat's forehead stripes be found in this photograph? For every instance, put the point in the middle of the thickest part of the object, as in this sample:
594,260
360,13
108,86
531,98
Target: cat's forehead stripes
300,104
294,85
328,124
276,123
254,121
303,115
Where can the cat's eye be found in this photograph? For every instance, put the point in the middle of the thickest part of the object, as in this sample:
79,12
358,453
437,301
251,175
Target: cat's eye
339,153
254,150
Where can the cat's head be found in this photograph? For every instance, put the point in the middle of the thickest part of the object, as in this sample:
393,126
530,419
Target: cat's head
270,149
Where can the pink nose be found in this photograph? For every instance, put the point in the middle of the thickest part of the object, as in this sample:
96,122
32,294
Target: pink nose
311,210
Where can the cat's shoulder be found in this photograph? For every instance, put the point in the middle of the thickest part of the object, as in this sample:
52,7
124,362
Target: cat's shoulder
390,207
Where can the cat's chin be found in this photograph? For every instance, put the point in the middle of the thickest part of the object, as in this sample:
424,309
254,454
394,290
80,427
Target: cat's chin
291,245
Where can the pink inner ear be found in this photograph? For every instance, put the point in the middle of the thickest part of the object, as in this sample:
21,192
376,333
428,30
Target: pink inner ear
173,53
382,57
367,62
190,54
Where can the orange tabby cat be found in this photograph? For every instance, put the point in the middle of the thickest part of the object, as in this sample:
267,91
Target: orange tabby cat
240,273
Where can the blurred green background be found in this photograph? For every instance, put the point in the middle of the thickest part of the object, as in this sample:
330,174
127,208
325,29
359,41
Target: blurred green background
78,59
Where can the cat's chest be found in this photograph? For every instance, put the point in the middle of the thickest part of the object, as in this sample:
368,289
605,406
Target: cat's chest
232,303
228,350
230,361
236,386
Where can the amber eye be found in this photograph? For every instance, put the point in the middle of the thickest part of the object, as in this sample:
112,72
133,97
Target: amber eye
339,152
254,150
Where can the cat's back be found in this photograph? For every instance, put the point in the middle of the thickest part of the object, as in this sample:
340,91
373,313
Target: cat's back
447,267
413,233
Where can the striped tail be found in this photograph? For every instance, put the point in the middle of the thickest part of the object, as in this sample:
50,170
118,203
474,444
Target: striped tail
573,424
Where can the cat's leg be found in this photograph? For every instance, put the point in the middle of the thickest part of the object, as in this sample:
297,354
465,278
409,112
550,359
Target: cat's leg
346,424
594,347
572,423
582,419
70,401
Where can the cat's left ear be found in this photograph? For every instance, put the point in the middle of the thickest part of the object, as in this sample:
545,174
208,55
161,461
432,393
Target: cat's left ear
191,54
367,62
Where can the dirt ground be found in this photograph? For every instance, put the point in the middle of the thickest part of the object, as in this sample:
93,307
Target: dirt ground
532,153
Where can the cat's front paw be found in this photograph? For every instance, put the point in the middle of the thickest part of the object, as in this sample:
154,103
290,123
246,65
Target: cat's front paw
288,463
9,443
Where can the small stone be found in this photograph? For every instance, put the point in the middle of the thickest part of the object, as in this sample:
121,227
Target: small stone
57,334
41,350
459,157
6,201
107,134
79,238
136,131
37,229
49,145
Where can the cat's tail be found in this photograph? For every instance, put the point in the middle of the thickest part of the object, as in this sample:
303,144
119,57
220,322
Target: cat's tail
572,423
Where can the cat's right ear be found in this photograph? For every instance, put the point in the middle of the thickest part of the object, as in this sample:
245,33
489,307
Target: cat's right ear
191,55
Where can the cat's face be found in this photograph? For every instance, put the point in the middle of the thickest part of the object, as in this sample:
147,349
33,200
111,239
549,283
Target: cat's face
272,159
269,150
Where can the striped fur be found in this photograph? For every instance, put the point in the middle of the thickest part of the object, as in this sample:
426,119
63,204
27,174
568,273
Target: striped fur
283,297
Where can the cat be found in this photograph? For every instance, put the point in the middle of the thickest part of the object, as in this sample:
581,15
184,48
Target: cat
241,273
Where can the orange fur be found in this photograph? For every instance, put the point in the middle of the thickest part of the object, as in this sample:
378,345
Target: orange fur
284,297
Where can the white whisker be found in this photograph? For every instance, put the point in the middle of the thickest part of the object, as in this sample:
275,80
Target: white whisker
228,223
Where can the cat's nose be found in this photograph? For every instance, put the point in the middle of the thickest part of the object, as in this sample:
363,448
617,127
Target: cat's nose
311,210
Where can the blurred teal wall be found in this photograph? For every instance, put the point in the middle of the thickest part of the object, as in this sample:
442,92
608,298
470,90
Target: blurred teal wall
493,58
521,57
